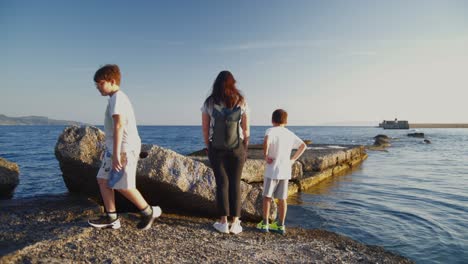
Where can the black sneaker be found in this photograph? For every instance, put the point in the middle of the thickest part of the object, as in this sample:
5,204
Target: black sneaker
146,221
104,222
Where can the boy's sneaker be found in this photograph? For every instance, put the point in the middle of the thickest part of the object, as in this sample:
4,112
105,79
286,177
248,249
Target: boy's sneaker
280,229
104,222
222,228
262,227
236,228
146,221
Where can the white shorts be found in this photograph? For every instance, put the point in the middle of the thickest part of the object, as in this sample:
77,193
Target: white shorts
275,188
129,161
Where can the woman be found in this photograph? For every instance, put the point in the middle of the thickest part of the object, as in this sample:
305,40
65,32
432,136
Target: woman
226,139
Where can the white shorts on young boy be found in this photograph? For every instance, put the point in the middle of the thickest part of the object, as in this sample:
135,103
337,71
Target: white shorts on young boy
129,161
275,188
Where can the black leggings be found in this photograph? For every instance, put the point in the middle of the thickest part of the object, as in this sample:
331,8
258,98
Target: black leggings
227,167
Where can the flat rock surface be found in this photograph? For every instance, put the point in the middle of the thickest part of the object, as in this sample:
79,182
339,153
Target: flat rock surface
317,157
54,230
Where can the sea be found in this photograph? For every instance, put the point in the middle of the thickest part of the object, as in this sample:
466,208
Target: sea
411,199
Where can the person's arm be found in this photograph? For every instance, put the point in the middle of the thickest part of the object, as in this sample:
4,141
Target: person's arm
206,128
118,135
299,152
265,150
245,123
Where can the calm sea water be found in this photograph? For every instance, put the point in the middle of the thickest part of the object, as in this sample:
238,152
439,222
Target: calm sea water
412,200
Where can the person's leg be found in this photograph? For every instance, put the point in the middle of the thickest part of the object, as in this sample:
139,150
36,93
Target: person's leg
108,196
134,196
127,187
110,219
266,209
280,192
283,207
235,164
148,213
268,187
282,195
221,178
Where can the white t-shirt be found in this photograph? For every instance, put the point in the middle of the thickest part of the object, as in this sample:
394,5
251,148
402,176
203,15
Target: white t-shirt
208,108
281,141
119,104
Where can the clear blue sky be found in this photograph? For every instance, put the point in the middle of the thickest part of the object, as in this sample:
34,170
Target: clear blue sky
323,61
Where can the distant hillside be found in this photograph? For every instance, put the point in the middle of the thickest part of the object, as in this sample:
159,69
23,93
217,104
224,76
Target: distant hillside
33,120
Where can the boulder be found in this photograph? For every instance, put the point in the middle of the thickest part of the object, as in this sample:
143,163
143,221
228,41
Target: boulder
381,142
9,178
164,177
174,180
78,151
416,134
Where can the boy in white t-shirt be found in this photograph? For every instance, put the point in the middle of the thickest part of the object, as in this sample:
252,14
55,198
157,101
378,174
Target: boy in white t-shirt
277,146
119,163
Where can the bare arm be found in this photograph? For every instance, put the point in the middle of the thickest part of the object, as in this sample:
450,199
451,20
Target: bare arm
265,150
299,152
245,123
206,128
118,135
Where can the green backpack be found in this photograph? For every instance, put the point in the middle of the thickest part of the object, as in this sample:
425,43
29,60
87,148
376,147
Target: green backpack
226,127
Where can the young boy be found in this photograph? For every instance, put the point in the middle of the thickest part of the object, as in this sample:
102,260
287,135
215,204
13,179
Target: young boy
118,169
277,146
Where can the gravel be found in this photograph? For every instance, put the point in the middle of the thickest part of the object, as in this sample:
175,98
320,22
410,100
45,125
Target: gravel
54,229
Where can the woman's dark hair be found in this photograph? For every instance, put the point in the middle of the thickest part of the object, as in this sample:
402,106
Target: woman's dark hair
225,91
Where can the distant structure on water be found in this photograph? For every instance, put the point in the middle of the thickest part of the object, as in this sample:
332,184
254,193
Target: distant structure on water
396,124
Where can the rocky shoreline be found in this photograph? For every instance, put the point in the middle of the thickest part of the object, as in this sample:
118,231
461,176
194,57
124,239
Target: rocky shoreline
53,229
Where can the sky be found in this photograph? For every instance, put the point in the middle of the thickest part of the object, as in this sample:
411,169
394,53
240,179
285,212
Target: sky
325,62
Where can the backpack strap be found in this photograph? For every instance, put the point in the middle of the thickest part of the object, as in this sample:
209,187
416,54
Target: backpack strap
218,107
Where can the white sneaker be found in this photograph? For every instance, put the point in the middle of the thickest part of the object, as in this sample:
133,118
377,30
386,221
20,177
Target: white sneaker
157,211
236,228
222,228
104,222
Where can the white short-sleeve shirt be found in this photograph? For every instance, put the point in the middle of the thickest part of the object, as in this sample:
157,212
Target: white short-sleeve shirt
281,141
119,104
208,108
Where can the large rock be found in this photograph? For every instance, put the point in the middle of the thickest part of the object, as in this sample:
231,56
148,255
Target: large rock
416,134
78,151
381,142
318,162
9,178
164,177
175,180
